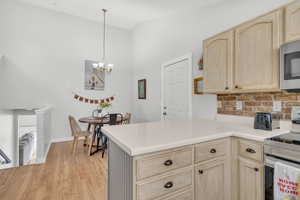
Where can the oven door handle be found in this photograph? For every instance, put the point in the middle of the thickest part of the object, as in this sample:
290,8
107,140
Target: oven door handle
270,162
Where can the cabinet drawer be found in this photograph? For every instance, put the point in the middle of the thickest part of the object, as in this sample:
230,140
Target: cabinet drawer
187,195
251,150
209,150
158,187
163,162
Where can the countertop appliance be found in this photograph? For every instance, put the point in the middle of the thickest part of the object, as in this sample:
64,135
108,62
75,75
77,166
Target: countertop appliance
290,66
284,149
267,121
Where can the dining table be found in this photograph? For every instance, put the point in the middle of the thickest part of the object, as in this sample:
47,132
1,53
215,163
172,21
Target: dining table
96,123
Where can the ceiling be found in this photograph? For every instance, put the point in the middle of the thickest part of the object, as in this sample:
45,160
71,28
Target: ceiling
122,13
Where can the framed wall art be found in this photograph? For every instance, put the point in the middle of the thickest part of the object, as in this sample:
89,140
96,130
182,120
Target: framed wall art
94,79
142,88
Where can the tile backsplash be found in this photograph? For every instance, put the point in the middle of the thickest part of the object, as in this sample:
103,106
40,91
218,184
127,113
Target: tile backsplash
257,102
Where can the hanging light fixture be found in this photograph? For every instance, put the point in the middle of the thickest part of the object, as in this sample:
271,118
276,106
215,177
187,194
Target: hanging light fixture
103,65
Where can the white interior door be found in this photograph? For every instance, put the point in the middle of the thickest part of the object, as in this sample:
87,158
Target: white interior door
177,89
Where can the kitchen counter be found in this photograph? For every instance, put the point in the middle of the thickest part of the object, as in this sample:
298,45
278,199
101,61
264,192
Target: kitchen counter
138,139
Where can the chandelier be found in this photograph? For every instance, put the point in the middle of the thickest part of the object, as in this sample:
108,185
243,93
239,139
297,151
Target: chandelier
104,65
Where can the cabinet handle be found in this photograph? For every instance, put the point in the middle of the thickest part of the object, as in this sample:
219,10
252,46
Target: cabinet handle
168,185
249,150
226,88
236,87
256,169
168,163
213,151
200,171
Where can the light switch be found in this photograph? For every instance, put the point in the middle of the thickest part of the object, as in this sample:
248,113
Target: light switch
277,106
239,105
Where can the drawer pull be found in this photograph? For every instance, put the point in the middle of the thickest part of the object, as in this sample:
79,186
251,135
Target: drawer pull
168,163
256,169
249,150
168,185
200,171
213,151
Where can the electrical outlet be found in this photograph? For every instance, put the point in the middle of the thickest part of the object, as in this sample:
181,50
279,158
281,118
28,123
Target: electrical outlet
239,105
219,104
295,112
277,106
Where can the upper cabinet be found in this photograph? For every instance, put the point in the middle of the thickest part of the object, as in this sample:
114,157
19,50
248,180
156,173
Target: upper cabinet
246,58
292,21
218,60
257,46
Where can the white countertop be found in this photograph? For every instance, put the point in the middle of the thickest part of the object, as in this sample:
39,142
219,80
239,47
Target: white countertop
137,139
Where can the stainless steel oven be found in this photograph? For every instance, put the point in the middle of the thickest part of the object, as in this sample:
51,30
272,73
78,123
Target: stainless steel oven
285,149
269,174
290,66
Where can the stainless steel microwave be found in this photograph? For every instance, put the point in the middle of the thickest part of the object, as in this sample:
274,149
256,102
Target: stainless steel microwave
290,66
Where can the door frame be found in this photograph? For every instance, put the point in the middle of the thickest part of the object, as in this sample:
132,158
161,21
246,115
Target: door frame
188,57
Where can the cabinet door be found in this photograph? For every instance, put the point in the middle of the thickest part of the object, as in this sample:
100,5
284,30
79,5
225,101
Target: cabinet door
212,180
292,21
218,59
250,180
257,53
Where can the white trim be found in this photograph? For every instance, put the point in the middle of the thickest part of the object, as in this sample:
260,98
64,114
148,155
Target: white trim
44,159
65,139
188,57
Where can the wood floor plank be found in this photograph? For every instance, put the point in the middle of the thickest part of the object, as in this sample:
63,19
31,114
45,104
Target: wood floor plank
62,177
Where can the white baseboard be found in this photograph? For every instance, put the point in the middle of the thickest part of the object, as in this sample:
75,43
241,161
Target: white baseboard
65,139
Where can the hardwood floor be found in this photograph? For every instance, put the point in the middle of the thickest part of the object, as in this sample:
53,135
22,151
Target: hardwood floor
62,177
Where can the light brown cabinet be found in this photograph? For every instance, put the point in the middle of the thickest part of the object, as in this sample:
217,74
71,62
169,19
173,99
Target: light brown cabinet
246,58
210,180
292,21
218,61
257,46
250,180
220,169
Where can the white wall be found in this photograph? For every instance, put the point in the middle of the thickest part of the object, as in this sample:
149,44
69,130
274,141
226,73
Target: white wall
7,136
44,61
161,40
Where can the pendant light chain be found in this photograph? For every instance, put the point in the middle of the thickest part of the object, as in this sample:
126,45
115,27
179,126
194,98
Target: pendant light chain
104,33
104,65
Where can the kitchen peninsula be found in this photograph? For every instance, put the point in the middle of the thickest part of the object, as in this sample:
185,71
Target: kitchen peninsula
185,160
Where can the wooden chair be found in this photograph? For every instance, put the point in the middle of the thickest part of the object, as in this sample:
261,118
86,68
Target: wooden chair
127,118
77,133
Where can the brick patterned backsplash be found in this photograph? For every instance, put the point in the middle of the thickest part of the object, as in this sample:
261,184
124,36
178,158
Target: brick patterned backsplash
257,102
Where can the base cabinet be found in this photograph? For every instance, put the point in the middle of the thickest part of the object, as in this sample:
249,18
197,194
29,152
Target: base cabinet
223,169
250,180
210,180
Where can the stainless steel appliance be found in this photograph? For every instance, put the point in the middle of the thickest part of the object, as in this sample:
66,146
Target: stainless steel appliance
290,66
284,149
267,121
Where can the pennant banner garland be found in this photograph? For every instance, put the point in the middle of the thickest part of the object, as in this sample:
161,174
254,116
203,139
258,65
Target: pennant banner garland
93,101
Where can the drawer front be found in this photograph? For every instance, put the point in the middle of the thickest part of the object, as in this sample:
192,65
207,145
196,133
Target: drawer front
159,187
163,162
209,150
187,195
251,150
